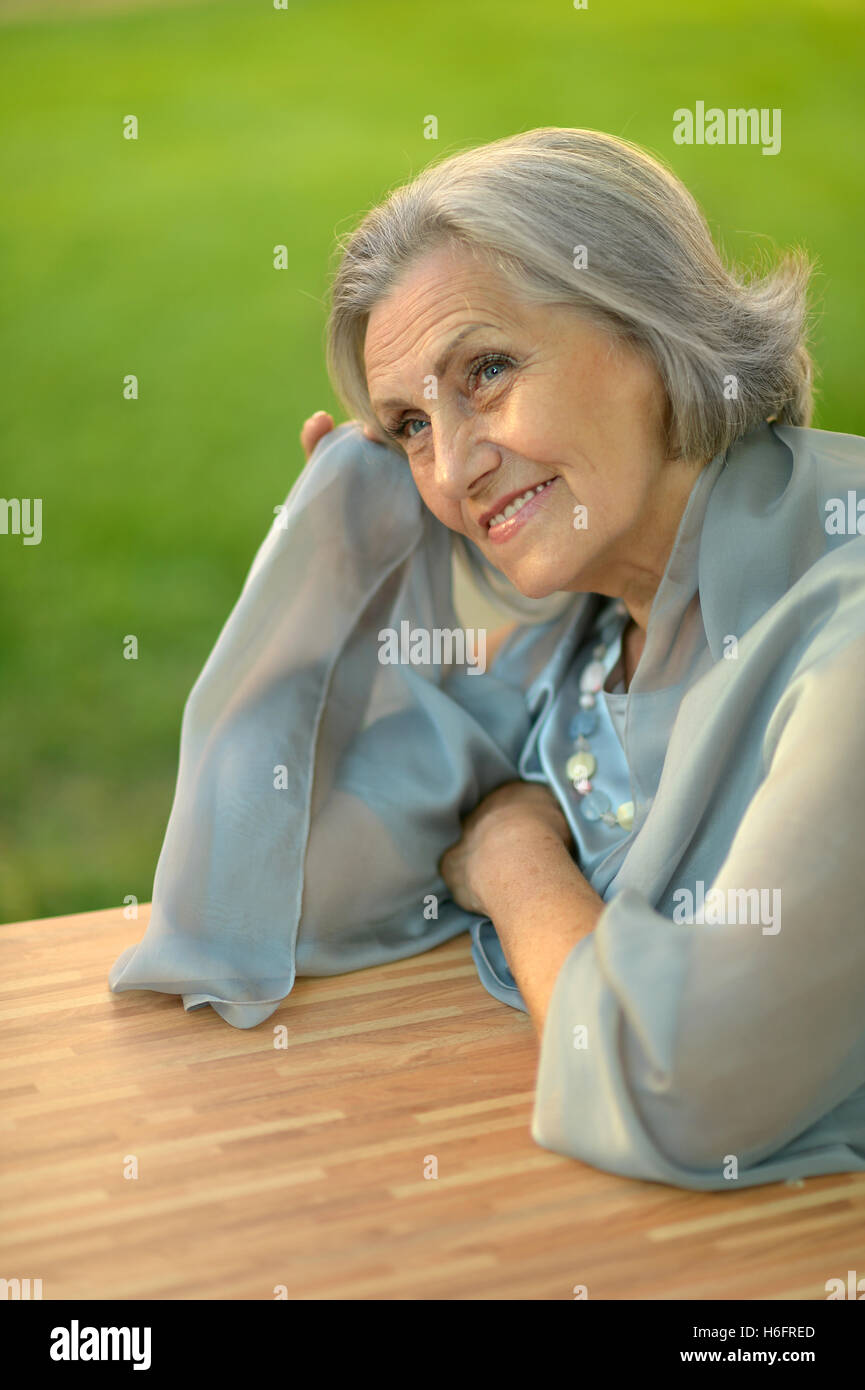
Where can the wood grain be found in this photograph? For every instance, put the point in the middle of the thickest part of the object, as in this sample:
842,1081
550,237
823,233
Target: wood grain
304,1167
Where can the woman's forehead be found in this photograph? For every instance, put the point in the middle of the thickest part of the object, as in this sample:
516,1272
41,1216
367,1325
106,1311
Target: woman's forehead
426,317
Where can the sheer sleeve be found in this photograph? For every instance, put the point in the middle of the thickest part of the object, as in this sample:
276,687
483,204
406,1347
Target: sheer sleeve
708,1041
318,784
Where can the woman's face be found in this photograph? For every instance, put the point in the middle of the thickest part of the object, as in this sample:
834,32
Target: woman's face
531,396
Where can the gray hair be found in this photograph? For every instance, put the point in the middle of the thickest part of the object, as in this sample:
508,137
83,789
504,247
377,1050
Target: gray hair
729,348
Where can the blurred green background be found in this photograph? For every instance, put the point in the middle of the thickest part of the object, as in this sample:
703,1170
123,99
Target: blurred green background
261,126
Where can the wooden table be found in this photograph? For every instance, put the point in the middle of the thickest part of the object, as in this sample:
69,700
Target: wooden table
303,1167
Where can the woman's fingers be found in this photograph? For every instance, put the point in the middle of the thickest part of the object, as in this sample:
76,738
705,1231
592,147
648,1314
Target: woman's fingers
314,429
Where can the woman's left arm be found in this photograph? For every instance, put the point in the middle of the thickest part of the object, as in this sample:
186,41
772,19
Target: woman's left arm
670,1050
514,866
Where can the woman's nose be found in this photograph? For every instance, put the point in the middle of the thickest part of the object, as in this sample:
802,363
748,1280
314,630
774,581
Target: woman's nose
460,460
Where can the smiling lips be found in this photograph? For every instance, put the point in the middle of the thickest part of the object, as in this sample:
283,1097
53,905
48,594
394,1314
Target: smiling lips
516,504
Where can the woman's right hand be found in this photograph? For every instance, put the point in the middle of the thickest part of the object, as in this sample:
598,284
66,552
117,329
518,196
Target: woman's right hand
320,424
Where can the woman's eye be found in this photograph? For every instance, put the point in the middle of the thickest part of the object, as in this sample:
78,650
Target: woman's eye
398,431
401,430
485,364
491,362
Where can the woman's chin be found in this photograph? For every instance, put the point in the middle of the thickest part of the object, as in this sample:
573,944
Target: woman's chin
541,584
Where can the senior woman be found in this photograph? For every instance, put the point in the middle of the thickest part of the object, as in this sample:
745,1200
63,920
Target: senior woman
649,810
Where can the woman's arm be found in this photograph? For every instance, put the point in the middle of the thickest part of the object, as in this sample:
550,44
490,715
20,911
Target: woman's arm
670,1049
513,865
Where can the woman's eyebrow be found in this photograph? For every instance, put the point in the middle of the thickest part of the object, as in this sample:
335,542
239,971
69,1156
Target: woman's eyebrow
439,367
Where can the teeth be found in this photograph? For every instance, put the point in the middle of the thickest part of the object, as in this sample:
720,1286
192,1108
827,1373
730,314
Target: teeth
513,507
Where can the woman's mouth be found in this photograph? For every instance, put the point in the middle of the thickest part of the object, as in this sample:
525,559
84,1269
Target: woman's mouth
518,512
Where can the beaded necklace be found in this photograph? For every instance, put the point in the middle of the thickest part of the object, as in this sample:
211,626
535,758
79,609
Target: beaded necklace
582,765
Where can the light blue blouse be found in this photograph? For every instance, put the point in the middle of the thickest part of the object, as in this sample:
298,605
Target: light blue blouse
710,1032
599,846
725,1048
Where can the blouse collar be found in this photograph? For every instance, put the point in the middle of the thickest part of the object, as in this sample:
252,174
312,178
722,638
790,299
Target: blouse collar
732,557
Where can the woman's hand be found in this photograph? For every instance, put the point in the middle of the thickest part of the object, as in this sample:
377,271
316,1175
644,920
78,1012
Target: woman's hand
514,865
320,424
511,823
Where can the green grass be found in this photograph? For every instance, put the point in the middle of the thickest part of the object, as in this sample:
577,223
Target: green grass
154,257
